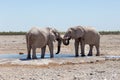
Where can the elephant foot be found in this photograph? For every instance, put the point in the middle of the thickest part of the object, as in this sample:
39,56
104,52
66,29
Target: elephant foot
76,55
82,55
28,57
97,54
34,57
42,57
51,56
90,54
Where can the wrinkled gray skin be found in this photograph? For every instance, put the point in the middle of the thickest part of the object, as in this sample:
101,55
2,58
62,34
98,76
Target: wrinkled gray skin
82,36
40,38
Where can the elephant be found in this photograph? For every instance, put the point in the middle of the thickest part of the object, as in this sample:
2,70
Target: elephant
40,38
83,35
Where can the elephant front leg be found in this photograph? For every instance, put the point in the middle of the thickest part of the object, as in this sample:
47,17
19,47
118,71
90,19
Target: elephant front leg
82,48
90,51
50,45
76,47
43,51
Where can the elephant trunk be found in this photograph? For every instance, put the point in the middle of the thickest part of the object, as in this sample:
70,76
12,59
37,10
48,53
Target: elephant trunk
66,41
59,45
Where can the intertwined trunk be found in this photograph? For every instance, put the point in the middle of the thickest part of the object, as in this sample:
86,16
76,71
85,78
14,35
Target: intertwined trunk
66,41
59,45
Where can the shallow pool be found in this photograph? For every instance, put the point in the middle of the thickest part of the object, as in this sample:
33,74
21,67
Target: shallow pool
62,55
23,56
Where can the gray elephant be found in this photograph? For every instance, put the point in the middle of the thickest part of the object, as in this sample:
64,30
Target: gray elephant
82,36
40,38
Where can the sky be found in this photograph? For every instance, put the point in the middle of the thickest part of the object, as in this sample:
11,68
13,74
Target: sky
21,15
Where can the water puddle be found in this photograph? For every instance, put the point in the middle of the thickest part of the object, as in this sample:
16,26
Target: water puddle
11,56
47,56
62,58
23,56
112,57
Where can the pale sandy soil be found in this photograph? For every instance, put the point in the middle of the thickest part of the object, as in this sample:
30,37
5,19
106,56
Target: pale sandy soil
110,45
107,70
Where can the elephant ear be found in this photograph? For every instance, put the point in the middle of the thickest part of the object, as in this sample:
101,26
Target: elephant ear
52,36
77,32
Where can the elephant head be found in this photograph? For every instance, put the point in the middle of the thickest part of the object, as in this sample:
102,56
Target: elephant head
73,33
56,36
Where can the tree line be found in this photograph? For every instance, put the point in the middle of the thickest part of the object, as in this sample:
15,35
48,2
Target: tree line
23,33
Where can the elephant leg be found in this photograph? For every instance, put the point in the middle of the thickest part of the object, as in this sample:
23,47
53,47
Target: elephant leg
82,48
50,45
34,54
43,51
29,53
90,51
76,47
97,49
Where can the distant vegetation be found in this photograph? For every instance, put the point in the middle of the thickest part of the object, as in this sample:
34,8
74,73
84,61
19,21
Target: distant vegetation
23,33
109,32
12,33
105,32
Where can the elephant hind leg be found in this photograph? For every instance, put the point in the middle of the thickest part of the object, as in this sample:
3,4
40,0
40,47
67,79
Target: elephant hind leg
97,49
43,51
29,53
34,53
90,51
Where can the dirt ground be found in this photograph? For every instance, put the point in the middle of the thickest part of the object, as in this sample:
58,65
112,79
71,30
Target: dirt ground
108,70
109,45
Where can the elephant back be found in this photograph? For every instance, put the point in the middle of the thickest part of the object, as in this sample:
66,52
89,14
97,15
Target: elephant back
91,35
37,38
